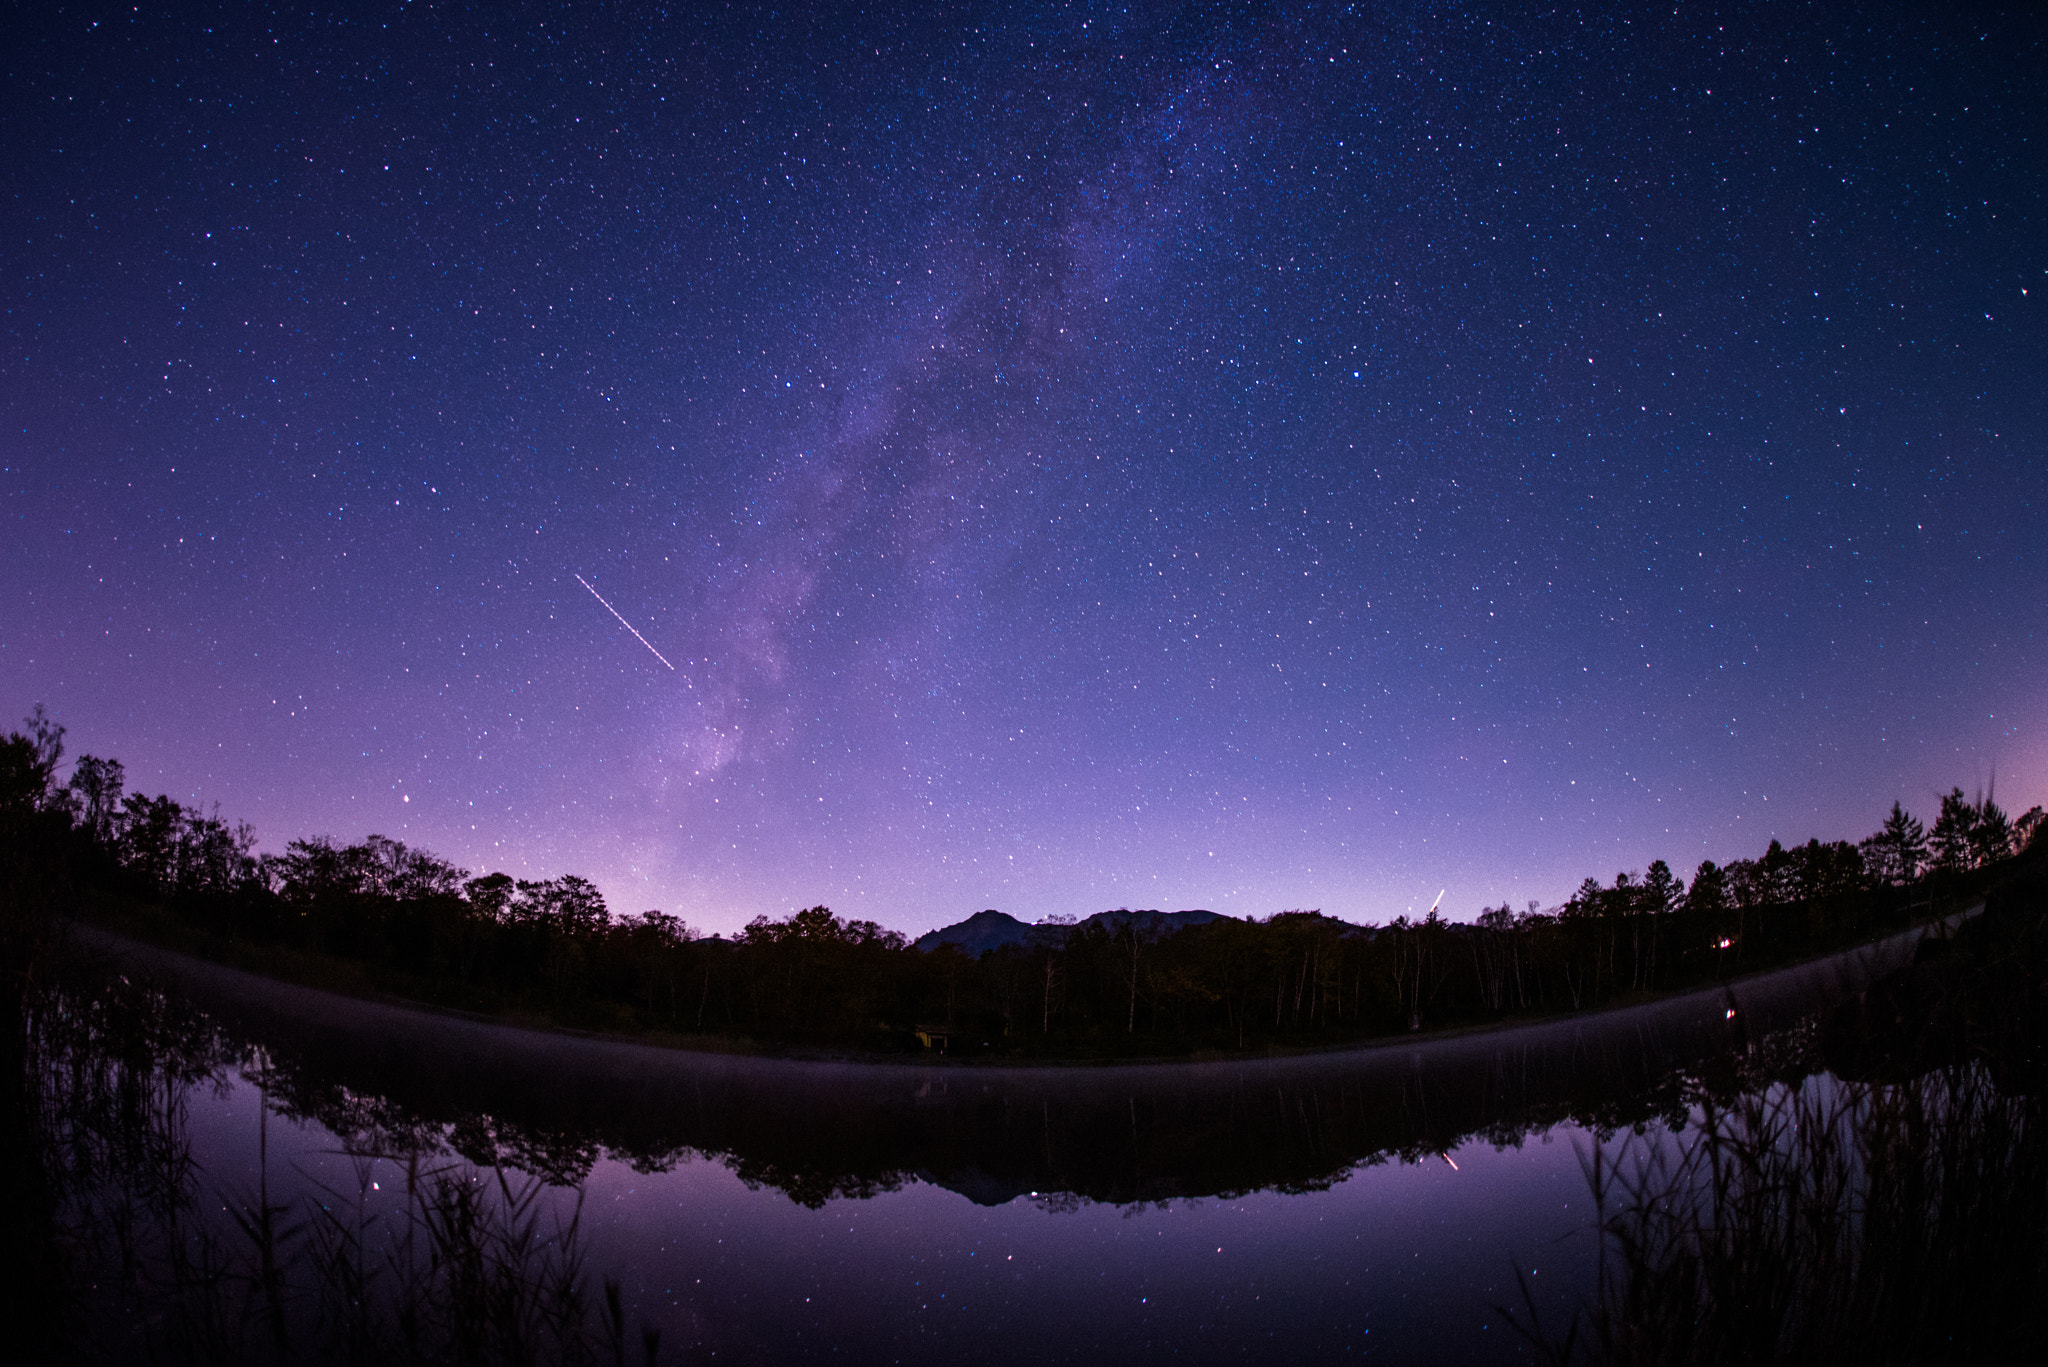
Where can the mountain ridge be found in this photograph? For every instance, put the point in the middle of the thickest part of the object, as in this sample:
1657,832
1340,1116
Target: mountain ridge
992,929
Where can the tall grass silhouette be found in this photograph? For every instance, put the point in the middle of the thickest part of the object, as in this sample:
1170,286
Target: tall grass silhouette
475,1266
1822,1222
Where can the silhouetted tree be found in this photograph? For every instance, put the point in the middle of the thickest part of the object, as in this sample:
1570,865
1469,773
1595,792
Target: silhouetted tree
149,838
1665,891
1709,891
2026,828
98,785
1990,834
1951,839
427,929
1896,853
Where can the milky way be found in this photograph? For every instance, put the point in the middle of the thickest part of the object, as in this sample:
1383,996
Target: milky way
1238,459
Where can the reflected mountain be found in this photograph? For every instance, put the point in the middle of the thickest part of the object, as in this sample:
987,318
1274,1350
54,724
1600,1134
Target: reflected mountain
393,1080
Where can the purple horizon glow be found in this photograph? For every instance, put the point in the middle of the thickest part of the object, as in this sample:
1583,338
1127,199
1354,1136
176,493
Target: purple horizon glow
1071,460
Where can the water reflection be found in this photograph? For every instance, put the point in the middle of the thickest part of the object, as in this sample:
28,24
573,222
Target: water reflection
391,1080
1892,1208
1824,1222
139,1252
234,1170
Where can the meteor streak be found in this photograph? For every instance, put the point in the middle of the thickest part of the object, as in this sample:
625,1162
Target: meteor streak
623,622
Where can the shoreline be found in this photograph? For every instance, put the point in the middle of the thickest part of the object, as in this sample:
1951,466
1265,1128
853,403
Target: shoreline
1767,992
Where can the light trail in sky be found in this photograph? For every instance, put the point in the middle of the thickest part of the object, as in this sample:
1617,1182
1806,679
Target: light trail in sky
623,622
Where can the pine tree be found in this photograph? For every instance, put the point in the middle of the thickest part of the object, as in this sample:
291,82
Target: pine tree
1950,838
1899,849
1990,834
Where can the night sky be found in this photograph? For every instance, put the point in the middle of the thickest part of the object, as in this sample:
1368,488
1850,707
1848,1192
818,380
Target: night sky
1071,458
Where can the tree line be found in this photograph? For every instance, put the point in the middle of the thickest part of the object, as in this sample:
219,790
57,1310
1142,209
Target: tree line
406,922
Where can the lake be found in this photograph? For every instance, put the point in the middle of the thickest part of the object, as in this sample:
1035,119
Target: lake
245,1169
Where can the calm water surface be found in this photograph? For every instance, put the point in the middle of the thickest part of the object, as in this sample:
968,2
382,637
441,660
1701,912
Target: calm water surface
1407,1260
1373,1204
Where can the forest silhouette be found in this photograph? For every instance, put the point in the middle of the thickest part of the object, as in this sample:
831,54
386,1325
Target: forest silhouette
378,917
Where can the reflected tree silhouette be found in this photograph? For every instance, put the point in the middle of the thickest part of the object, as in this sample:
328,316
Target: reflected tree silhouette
1893,1208
152,1259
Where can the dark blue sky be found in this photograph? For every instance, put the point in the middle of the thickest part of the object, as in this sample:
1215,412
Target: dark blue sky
1172,457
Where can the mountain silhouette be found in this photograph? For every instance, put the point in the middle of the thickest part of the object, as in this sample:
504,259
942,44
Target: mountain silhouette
992,929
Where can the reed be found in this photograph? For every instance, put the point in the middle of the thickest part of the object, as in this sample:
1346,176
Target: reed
1823,1222
476,1266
